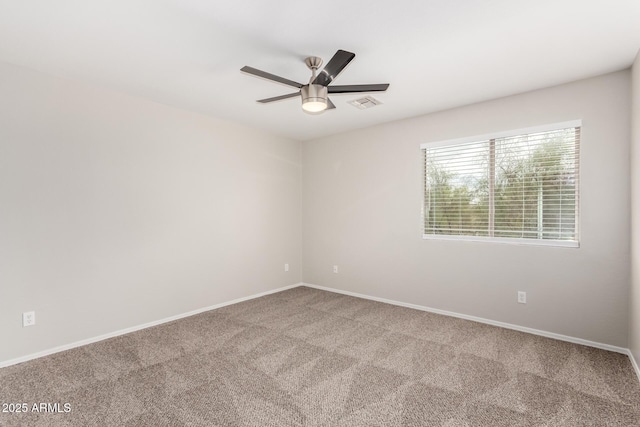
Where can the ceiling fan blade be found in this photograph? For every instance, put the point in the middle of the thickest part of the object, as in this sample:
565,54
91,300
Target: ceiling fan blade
270,76
358,88
330,105
278,98
339,61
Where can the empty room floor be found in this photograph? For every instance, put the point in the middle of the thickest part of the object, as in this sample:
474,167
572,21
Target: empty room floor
307,357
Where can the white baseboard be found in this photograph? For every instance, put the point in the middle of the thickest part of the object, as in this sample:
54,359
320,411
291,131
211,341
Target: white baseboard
634,363
58,349
482,320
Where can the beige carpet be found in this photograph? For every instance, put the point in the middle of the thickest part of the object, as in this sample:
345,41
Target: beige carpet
306,357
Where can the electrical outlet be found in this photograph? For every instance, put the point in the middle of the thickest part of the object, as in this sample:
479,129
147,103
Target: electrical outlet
28,318
286,267
335,269
522,297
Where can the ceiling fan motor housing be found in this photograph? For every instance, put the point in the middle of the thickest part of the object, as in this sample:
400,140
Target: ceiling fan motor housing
312,94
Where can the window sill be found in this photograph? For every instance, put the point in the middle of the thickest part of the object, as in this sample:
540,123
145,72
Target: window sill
505,240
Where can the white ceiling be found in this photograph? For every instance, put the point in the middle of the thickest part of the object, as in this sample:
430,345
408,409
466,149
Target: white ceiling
436,54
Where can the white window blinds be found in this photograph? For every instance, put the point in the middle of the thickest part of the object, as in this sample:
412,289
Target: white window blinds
519,186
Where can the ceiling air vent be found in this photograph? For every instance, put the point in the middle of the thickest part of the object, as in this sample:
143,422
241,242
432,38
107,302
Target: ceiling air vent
366,102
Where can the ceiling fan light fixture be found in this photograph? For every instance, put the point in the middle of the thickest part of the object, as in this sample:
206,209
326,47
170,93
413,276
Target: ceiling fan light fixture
314,98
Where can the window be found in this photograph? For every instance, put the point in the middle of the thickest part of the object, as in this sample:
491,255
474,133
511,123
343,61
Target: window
519,186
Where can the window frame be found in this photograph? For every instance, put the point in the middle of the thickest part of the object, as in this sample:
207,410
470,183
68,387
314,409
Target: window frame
497,135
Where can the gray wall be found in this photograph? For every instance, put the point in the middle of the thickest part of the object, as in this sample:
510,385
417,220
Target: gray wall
116,211
634,300
361,211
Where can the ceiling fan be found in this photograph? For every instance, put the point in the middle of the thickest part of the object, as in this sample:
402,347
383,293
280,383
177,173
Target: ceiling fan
314,94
